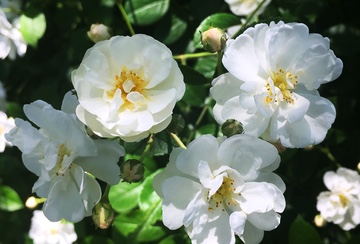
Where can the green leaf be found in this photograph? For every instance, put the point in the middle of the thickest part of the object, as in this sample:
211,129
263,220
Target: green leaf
161,144
302,232
135,148
206,129
193,77
170,29
206,66
148,196
219,20
195,95
9,199
94,239
32,27
146,12
138,224
124,196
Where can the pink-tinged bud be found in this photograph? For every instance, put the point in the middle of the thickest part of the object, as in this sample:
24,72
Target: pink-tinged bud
213,40
132,170
103,215
99,32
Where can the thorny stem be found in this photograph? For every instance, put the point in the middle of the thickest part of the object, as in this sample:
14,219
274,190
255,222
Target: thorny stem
123,13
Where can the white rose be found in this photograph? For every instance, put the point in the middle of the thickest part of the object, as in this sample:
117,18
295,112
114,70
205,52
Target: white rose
127,87
271,86
217,188
63,156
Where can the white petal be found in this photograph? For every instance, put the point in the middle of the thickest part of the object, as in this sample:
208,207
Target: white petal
159,100
242,152
105,165
215,232
88,118
91,194
318,65
205,175
297,110
310,130
225,87
65,202
203,148
24,136
252,234
264,221
60,126
240,56
272,178
257,197
263,106
69,103
175,205
237,222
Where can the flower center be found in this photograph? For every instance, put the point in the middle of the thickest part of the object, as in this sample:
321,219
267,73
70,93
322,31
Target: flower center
63,162
280,87
132,87
343,200
223,197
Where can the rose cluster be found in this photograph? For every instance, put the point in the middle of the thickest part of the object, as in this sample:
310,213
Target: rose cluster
126,88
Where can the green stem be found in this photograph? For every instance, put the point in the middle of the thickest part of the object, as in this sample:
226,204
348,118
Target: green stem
327,152
197,123
122,10
105,197
192,55
12,10
219,66
248,19
147,148
178,141
201,116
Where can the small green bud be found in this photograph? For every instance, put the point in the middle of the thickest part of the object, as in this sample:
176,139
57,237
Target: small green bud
177,124
132,170
231,127
99,32
103,215
213,40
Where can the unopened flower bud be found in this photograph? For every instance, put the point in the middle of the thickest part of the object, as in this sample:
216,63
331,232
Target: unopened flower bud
103,215
132,170
99,32
319,221
32,202
177,124
213,40
231,127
